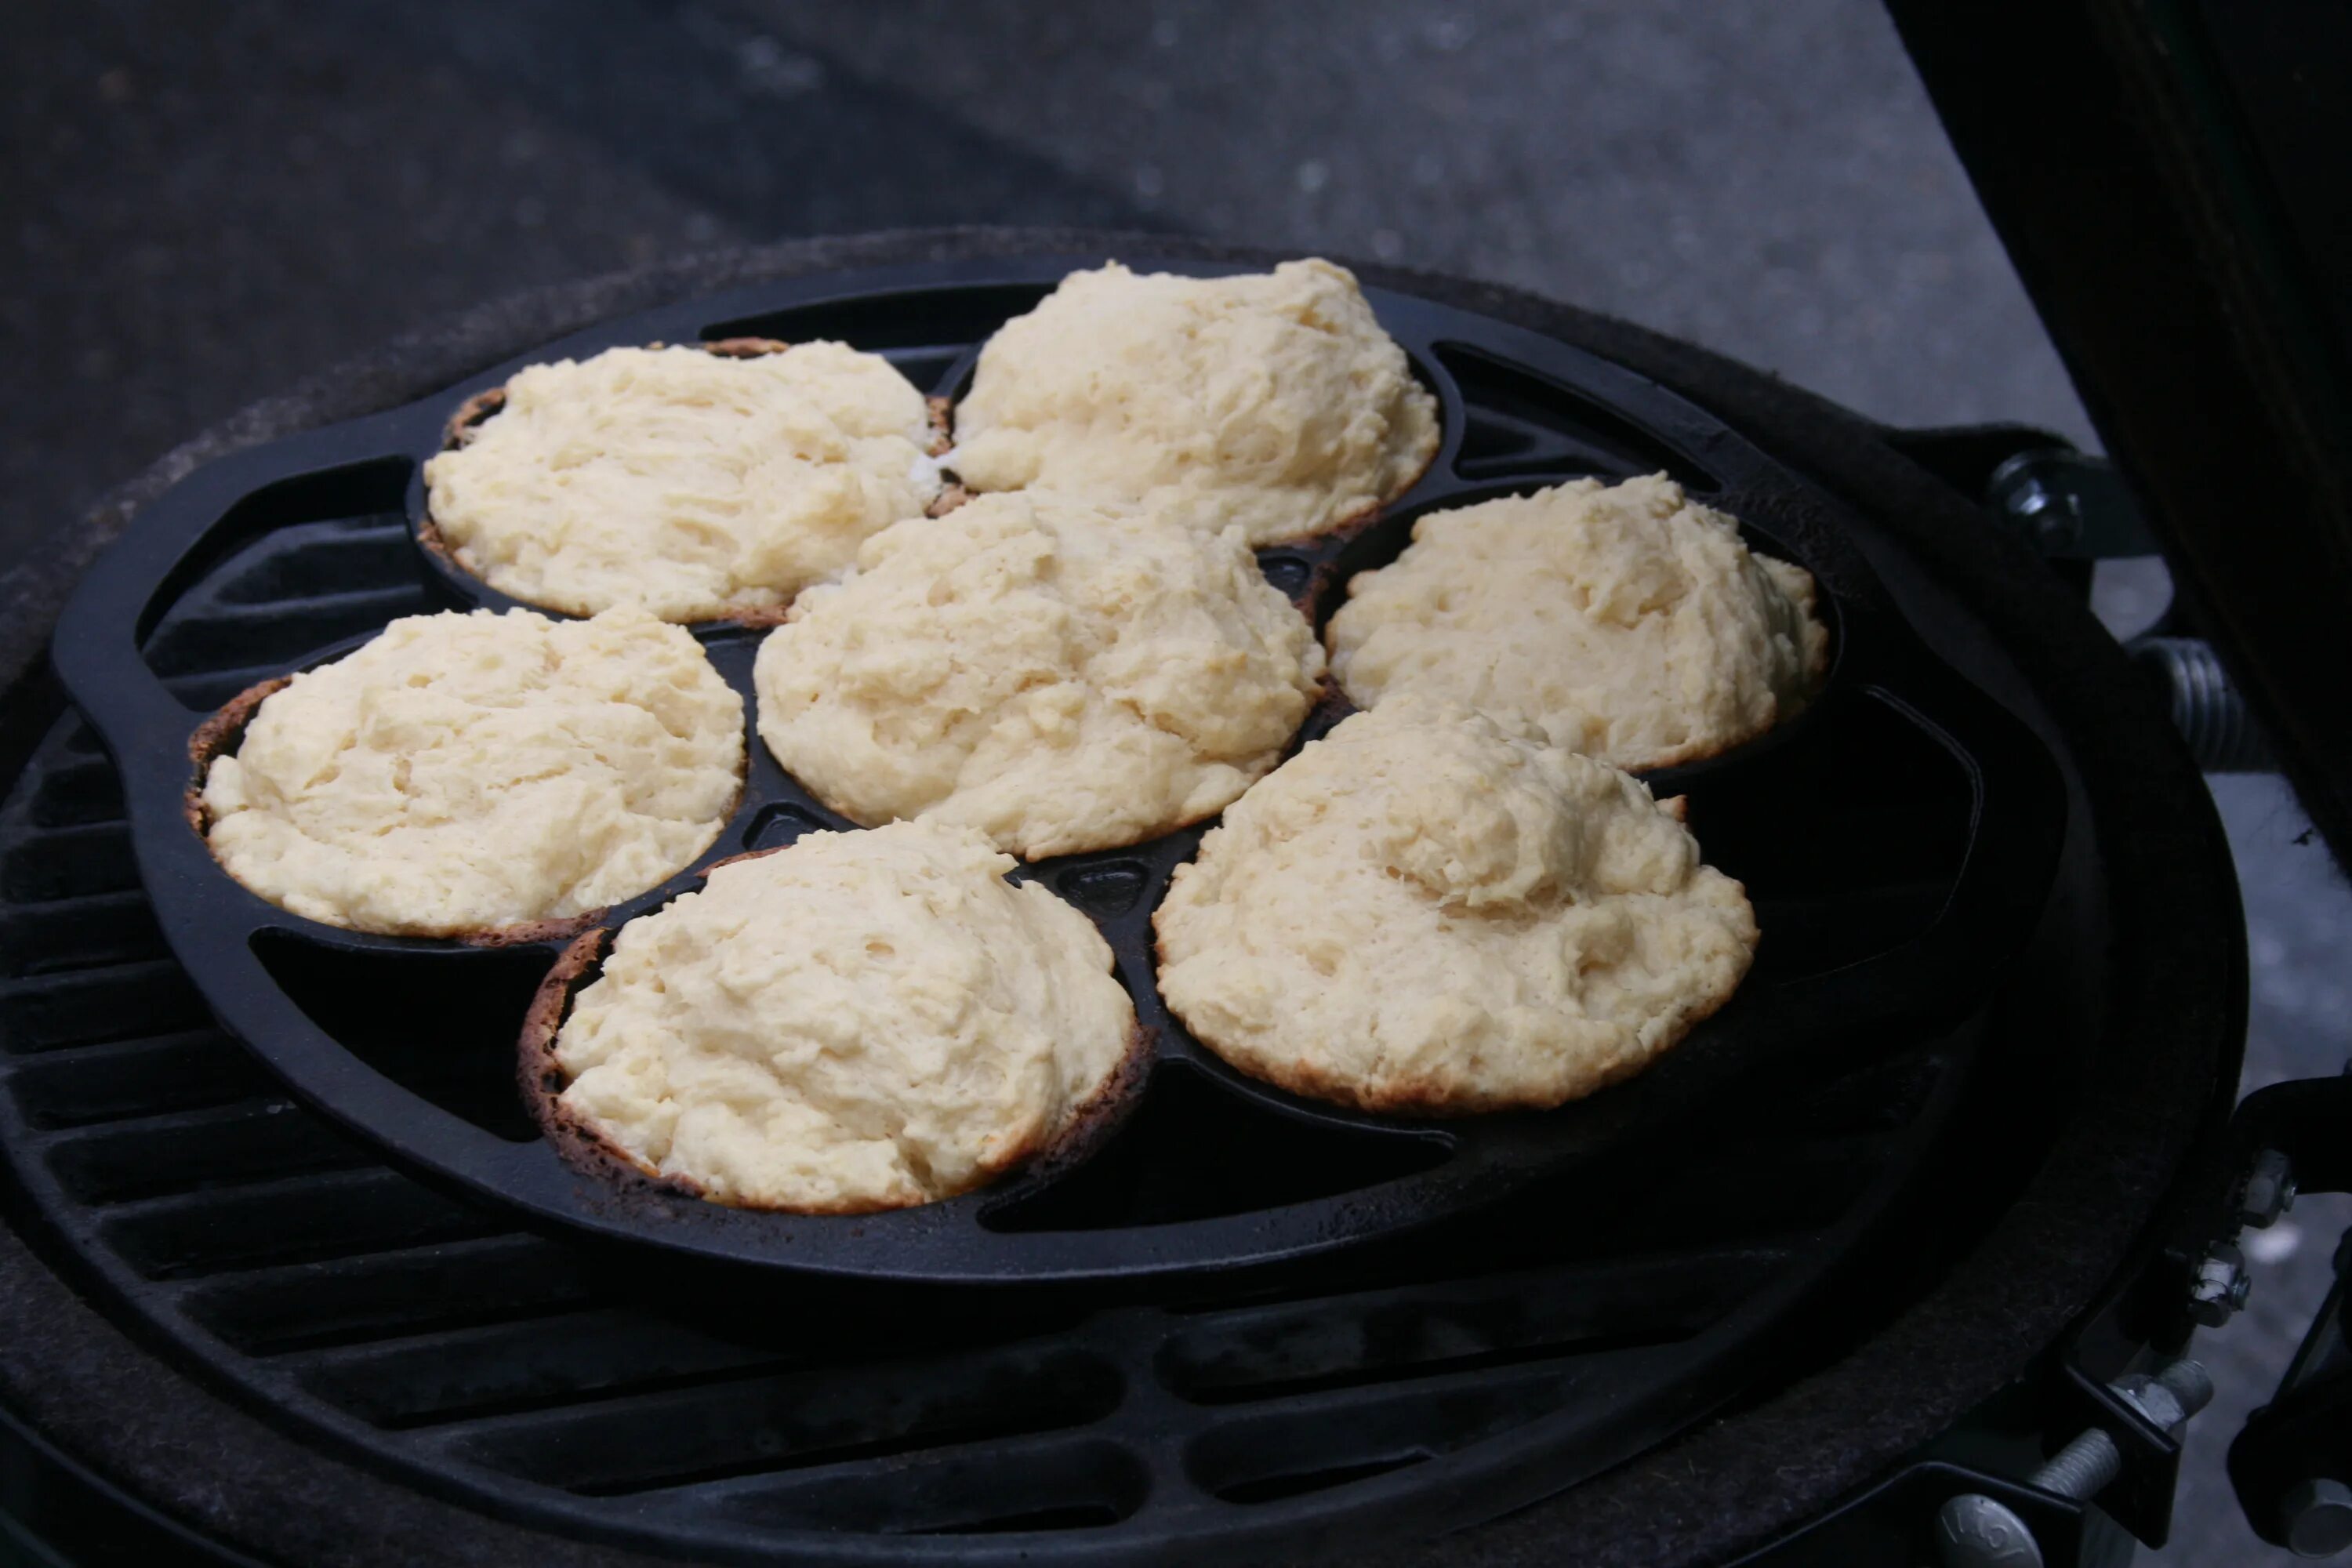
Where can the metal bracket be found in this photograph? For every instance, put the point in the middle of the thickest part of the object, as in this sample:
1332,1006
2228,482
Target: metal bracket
2291,1465
1974,1530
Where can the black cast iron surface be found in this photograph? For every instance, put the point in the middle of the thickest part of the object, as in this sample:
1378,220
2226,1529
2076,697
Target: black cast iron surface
737,1414
127,1120
1888,910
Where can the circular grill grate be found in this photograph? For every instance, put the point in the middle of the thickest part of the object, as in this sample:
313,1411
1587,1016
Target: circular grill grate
725,1415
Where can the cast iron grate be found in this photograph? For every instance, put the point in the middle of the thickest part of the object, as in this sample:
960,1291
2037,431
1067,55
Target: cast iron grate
730,1415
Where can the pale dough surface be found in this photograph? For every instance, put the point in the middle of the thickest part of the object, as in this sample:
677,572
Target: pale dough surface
1062,675
1629,621
461,772
1270,401
1429,912
859,1021
693,484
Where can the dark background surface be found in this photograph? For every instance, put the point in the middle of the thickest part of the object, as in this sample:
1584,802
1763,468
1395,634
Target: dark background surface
205,203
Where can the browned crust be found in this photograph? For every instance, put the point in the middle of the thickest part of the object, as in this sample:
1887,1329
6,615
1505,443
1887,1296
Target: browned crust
471,415
950,497
586,1149
217,737
1422,1099
540,1079
429,540
745,348
942,414
530,931
1425,1101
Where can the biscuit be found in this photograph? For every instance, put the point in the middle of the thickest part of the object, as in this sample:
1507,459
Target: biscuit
858,1021
1627,620
1429,912
462,774
697,485
1270,401
1061,674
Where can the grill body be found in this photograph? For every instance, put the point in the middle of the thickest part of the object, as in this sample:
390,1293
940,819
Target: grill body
562,1392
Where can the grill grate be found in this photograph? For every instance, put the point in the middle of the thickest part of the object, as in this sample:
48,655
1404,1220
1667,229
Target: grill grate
730,1417
725,1416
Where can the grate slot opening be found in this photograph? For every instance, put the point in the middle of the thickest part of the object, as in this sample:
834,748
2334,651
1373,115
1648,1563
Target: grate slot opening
321,560
1316,1434
69,863
78,795
298,1220
98,1006
1504,1319
112,929
157,1158
392,1294
797,1420
1018,1485
221,636
1068,1516
1299,1483
1519,422
530,1364
374,491
139,1077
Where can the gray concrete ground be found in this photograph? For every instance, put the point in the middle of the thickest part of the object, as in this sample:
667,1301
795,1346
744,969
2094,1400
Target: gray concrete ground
202,203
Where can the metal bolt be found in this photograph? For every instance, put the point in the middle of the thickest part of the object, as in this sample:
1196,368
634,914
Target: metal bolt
1973,1530
2318,1518
2175,1393
2049,516
2209,712
2270,1191
2222,1286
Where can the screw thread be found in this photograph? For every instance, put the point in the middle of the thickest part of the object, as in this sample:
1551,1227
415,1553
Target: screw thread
2209,712
2083,1467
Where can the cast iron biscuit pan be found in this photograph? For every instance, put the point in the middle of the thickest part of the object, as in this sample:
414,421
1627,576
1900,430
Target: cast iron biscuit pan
1868,942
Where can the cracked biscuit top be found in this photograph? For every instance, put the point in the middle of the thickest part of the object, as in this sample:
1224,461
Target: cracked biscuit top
1270,402
1059,673
1628,621
858,1021
696,485
1428,912
464,772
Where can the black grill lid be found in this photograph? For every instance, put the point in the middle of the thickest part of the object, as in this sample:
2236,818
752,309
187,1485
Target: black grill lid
2170,178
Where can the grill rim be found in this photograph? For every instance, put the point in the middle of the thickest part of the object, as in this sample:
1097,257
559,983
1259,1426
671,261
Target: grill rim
2026,1277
